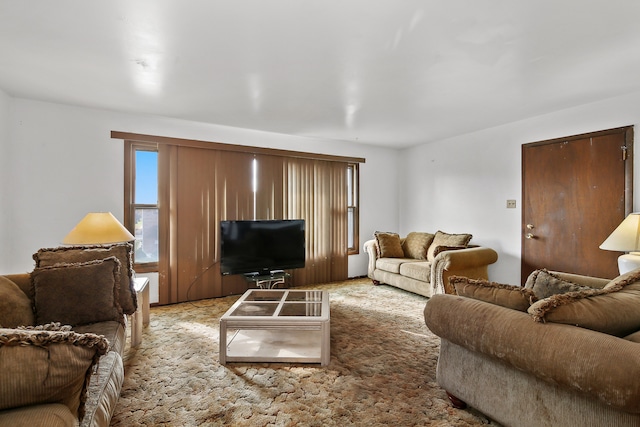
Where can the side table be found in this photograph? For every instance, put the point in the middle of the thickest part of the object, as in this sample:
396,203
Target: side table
141,316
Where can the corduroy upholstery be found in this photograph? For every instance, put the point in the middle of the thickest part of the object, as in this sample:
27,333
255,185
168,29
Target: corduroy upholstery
105,378
525,373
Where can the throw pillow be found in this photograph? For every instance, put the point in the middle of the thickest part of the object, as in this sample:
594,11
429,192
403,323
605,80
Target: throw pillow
389,245
513,297
612,310
74,254
446,239
545,284
77,294
47,367
415,245
15,306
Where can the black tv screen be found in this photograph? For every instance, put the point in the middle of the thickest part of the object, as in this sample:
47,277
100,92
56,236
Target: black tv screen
261,246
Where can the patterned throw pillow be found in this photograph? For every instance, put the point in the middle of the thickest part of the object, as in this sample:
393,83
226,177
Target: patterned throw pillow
446,239
508,296
545,284
77,294
415,245
389,245
612,310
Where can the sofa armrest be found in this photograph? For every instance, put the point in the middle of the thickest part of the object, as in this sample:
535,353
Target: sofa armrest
371,248
569,356
469,262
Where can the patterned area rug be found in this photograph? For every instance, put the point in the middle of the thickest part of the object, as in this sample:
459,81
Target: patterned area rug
382,370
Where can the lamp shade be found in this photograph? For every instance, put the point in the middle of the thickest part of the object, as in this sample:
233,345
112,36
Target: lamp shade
626,237
98,228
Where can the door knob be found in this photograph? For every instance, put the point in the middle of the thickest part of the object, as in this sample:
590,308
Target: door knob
529,236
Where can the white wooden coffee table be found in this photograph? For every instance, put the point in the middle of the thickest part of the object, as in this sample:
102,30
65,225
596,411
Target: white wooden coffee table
277,326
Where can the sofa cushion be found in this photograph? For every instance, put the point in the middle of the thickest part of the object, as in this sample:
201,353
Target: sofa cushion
417,270
41,366
74,254
612,310
41,415
415,245
508,296
77,294
445,239
389,245
545,284
15,306
392,265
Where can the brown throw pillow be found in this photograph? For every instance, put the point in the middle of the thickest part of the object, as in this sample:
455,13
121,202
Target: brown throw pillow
545,284
415,245
77,294
41,366
445,239
513,297
15,306
389,245
74,254
612,310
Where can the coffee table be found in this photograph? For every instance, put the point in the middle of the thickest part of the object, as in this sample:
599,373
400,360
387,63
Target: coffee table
277,326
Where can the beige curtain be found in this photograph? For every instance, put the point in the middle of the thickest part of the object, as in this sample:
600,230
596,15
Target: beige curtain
317,192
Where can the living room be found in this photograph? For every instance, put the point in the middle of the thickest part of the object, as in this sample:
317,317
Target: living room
58,160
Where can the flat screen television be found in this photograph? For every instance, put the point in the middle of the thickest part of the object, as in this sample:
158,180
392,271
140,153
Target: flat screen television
261,246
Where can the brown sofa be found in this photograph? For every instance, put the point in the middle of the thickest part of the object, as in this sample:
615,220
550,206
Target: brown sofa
423,262
62,337
564,350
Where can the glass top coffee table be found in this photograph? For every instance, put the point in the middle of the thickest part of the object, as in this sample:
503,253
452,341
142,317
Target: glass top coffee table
277,326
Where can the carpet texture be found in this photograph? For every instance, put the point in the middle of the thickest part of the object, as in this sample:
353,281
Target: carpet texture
382,370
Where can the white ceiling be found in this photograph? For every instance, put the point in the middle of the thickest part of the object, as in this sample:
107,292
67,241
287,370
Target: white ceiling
386,72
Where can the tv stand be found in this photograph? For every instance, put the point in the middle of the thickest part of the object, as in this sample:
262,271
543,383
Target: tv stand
269,280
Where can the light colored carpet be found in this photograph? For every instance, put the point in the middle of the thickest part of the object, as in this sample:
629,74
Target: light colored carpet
382,370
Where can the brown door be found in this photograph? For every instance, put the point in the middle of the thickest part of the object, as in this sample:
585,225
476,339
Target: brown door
575,192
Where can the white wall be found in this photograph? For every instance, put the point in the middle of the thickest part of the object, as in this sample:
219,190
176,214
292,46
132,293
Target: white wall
462,184
63,163
5,183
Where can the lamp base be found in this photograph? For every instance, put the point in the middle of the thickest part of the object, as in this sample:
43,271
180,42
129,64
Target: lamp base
628,262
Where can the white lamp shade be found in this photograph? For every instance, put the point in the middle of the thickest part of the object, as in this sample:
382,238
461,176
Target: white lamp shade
98,228
625,238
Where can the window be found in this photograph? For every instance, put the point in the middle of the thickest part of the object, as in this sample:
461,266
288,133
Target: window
177,192
143,212
352,209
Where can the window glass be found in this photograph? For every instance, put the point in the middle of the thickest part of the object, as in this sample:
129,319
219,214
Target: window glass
145,206
146,190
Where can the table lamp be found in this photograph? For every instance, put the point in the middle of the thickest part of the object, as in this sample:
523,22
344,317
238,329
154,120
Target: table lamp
626,238
98,228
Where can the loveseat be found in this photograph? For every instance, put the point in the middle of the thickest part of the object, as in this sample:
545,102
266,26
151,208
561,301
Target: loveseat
62,336
423,262
564,350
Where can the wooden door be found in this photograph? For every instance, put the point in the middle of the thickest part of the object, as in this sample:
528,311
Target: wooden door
575,192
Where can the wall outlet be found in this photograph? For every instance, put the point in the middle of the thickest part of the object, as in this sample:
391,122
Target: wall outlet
511,204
